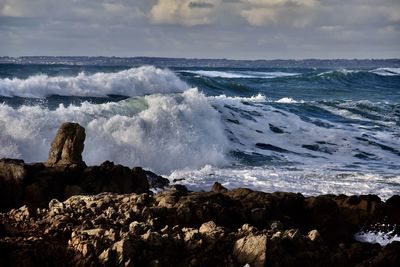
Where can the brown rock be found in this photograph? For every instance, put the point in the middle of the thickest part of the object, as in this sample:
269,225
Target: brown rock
67,146
251,250
217,187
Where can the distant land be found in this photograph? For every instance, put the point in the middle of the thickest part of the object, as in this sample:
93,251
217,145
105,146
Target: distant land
193,62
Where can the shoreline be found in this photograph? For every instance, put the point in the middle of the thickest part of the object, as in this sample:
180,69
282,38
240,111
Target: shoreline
64,212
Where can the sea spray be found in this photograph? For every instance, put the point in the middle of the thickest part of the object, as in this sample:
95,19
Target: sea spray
160,132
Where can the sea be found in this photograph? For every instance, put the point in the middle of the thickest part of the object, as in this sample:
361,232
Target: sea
311,126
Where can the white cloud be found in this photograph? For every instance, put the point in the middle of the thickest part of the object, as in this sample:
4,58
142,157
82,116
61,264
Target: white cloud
184,12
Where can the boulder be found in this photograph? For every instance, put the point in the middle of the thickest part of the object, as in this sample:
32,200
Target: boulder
251,250
67,146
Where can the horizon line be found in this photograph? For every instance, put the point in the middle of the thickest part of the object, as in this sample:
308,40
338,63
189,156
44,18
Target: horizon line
196,58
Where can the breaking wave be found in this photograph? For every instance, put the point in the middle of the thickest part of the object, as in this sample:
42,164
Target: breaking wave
160,132
139,81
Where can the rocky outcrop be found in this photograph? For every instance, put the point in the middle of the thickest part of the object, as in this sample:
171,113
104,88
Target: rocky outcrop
65,174
67,146
178,228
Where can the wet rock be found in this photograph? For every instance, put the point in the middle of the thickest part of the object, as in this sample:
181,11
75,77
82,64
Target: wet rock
67,146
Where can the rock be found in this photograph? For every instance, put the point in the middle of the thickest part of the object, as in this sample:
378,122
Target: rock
276,226
73,190
155,181
179,188
208,227
217,187
314,236
124,253
251,250
12,176
211,230
67,146
392,210
113,178
324,215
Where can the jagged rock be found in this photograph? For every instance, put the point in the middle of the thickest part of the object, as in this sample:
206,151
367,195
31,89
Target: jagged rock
251,250
217,187
67,146
198,228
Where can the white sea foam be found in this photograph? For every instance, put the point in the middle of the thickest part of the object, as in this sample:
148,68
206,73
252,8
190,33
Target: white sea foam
381,234
288,100
132,82
241,74
236,99
309,181
160,132
387,71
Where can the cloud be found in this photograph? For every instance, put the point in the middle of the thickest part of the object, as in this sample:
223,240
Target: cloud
183,12
233,28
296,13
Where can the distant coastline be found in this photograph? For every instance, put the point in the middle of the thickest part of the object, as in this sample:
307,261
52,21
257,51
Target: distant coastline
196,62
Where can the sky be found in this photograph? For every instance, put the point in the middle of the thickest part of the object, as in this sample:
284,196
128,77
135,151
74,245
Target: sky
235,29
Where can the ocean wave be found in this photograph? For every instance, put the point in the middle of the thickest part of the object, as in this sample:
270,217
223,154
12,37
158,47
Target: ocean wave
159,132
241,74
132,82
378,71
386,71
339,71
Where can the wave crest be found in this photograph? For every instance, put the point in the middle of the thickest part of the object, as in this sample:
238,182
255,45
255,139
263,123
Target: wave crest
131,82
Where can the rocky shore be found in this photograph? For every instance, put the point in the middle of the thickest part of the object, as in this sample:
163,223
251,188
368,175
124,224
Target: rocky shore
64,213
